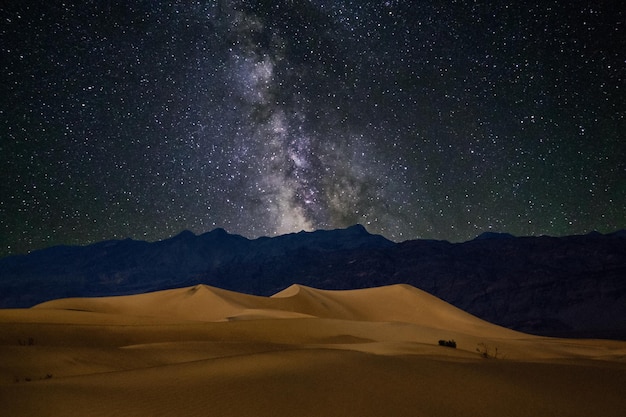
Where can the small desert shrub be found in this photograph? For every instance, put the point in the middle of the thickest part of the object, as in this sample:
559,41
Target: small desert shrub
29,379
28,342
447,343
487,352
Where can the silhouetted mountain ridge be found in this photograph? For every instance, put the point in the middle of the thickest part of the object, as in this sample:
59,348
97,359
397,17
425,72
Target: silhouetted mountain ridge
567,286
494,235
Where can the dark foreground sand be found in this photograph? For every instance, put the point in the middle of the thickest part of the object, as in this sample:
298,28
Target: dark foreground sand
203,351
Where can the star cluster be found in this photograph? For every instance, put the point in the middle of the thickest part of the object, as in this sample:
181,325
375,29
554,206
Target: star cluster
417,119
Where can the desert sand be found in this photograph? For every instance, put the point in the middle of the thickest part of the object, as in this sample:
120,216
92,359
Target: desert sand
203,351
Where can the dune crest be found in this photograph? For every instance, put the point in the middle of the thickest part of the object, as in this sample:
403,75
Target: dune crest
399,302
197,303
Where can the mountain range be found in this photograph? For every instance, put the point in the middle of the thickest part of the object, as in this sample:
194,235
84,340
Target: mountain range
573,286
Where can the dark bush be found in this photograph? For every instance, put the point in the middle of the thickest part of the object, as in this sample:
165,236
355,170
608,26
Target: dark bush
447,343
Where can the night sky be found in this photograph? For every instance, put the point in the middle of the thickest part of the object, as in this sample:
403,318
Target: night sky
418,119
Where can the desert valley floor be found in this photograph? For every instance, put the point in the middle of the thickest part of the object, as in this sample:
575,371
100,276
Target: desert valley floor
203,351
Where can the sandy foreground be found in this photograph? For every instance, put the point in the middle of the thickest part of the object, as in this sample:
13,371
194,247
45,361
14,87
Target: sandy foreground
202,351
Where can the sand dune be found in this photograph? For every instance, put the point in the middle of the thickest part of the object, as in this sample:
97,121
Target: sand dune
198,303
306,352
401,303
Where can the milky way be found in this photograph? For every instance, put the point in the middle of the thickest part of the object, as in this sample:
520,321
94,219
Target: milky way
416,119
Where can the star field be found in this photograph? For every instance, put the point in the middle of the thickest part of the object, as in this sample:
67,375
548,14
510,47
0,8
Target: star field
416,119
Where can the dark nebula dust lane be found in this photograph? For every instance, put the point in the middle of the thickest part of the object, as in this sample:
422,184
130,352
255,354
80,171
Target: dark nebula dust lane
416,119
